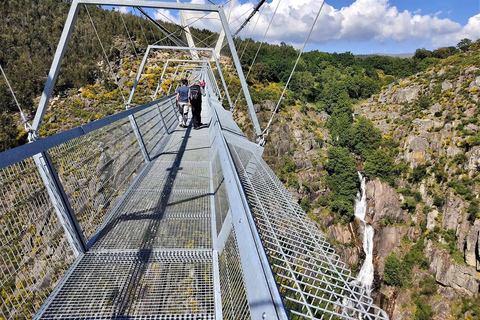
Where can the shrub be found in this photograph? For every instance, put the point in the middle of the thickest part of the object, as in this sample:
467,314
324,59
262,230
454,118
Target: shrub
393,274
438,201
428,286
419,173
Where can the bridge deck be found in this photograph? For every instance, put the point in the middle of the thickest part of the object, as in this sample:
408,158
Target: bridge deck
153,257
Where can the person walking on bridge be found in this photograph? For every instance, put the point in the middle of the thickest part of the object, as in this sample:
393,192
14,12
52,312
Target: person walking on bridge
195,99
182,102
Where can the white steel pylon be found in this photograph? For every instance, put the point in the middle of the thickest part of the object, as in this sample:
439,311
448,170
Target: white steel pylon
186,28
185,16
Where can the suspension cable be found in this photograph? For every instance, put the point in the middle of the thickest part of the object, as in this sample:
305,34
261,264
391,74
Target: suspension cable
245,47
249,17
141,28
106,57
164,30
128,34
261,43
24,118
258,50
293,70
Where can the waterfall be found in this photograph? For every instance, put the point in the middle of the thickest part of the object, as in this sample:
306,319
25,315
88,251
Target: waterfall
365,276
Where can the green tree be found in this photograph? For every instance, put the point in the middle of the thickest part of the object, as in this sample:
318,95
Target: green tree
342,181
365,137
379,164
393,273
464,44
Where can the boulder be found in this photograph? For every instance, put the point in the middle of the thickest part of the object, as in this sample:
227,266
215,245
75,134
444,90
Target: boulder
475,83
441,309
446,85
431,222
407,94
473,160
472,245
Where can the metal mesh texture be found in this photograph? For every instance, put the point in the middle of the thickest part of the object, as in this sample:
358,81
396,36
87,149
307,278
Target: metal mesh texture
137,285
154,123
220,193
234,298
153,256
169,206
34,251
151,128
312,280
96,169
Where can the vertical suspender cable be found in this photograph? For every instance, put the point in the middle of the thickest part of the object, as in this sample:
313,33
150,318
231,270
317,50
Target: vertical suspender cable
129,38
141,28
258,50
24,118
293,70
264,36
106,57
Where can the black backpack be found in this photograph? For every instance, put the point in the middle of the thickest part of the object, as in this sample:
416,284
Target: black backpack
195,93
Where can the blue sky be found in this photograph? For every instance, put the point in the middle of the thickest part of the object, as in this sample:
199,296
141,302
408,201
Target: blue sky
360,26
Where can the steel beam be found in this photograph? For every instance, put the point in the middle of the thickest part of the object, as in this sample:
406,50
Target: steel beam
60,202
263,296
241,76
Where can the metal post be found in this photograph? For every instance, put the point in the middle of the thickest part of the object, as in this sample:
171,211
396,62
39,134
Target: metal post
221,38
60,202
138,135
188,35
162,119
173,80
55,68
137,79
241,76
161,78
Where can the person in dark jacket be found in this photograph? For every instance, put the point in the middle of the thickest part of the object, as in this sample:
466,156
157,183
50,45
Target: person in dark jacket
195,94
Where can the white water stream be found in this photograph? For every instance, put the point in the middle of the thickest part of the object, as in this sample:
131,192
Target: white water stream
365,276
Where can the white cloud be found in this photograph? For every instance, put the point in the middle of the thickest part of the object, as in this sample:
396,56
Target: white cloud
123,10
471,31
363,20
166,15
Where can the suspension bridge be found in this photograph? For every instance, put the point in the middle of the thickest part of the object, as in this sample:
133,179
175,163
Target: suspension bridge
133,217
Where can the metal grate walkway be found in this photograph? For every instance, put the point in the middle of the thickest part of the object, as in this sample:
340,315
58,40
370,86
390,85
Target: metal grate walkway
153,256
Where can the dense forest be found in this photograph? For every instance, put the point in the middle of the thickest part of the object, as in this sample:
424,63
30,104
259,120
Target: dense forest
334,83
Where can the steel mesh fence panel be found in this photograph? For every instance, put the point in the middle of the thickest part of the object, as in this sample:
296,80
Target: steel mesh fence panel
220,193
96,169
151,128
137,285
34,250
234,299
312,280
170,115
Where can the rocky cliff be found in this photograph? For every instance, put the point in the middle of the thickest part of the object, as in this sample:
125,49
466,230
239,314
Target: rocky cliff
427,220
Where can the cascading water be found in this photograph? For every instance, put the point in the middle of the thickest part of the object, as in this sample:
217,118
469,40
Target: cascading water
365,276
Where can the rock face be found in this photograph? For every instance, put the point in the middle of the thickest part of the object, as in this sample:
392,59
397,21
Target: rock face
472,246
449,273
382,202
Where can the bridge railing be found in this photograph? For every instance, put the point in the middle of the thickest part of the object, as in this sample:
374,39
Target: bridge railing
92,165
